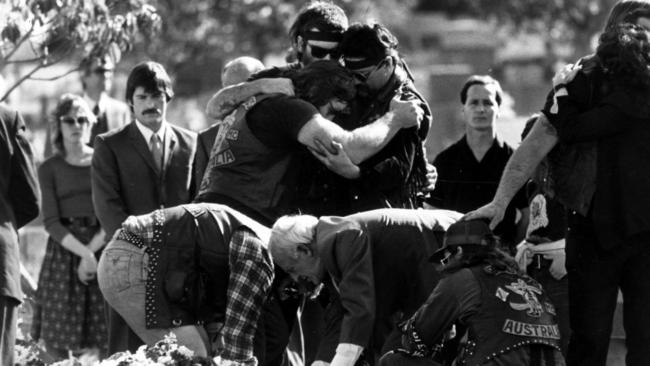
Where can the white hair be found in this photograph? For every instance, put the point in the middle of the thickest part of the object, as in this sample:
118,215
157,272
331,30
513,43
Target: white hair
287,233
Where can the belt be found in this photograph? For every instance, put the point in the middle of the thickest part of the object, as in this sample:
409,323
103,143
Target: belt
130,238
80,221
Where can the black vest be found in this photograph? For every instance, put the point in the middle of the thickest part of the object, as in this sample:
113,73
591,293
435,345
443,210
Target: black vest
515,312
244,169
189,265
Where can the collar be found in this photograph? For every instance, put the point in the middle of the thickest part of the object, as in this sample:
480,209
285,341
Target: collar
147,133
92,103
497,143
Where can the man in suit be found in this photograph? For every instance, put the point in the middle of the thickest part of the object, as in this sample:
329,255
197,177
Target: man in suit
19,204
234,72
374,263
141,167
96,80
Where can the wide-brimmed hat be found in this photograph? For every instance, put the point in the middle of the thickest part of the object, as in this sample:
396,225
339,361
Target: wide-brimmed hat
469,232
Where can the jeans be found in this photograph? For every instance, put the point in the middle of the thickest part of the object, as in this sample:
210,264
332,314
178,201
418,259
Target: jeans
595,276
122,275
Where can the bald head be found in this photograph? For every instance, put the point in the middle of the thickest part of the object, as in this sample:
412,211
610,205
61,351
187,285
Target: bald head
240,69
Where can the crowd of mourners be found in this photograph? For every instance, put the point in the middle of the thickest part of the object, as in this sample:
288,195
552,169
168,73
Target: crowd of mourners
306,226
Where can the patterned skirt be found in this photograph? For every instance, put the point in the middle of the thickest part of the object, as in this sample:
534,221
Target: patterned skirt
68,314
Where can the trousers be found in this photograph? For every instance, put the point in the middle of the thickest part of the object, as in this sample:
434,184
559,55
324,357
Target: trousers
595,277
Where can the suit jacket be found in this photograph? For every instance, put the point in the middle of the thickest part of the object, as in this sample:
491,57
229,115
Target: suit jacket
378,263
204,144
19,197
125,180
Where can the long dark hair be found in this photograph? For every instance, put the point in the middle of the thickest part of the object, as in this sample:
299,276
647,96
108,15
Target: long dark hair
627,12
624,53
321,81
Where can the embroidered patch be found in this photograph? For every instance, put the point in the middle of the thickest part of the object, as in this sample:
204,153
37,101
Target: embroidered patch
538,215
531,330
529,293
550,308
502,294
224,157
232,134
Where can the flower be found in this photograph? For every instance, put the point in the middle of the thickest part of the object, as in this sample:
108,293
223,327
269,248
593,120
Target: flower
166,352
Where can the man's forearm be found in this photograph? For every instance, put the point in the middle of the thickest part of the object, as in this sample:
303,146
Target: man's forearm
523,162
227,99
366,141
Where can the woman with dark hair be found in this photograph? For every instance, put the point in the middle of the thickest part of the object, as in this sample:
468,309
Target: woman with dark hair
70,309
507,315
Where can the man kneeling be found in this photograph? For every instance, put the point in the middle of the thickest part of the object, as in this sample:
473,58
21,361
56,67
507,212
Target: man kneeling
188,270
508,317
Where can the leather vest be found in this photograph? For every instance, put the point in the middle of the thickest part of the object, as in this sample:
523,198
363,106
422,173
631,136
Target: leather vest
515,312
189,266
243,168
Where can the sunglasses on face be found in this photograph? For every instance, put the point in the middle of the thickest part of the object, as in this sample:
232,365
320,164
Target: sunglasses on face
320,52
82,120
101,70
364,73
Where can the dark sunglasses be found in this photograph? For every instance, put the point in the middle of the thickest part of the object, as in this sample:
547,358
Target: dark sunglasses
82,120
364,75
102,70
320,52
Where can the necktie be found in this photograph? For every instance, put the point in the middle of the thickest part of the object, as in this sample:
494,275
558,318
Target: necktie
156,150
100,126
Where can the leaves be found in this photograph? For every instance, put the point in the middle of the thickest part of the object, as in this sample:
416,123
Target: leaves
61,29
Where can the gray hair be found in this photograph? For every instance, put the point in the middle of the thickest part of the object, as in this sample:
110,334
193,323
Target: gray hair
287,233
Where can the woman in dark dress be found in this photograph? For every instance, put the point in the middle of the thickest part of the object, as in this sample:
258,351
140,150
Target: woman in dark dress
70,310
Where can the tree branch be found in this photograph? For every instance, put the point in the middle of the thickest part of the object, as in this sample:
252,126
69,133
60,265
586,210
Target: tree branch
25,61
56,77
20,81
20,42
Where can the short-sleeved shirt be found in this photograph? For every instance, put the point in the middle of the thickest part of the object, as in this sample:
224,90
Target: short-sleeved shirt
465,184
277,121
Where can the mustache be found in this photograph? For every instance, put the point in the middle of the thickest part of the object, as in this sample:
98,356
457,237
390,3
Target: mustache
151,110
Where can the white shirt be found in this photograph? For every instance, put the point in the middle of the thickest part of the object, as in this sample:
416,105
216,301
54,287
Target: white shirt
92,103
147,132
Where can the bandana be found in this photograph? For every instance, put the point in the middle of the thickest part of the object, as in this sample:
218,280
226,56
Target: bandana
323,36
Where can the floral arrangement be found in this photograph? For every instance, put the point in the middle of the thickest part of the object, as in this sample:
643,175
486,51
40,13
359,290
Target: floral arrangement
166,352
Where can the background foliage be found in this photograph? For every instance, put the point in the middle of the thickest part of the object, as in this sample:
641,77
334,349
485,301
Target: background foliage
42,33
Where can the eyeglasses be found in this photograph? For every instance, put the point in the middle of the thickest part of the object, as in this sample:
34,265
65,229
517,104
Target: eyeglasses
321,52
102,70
364,73
82,120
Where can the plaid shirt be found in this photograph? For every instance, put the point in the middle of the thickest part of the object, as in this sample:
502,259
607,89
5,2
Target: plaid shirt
251,275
